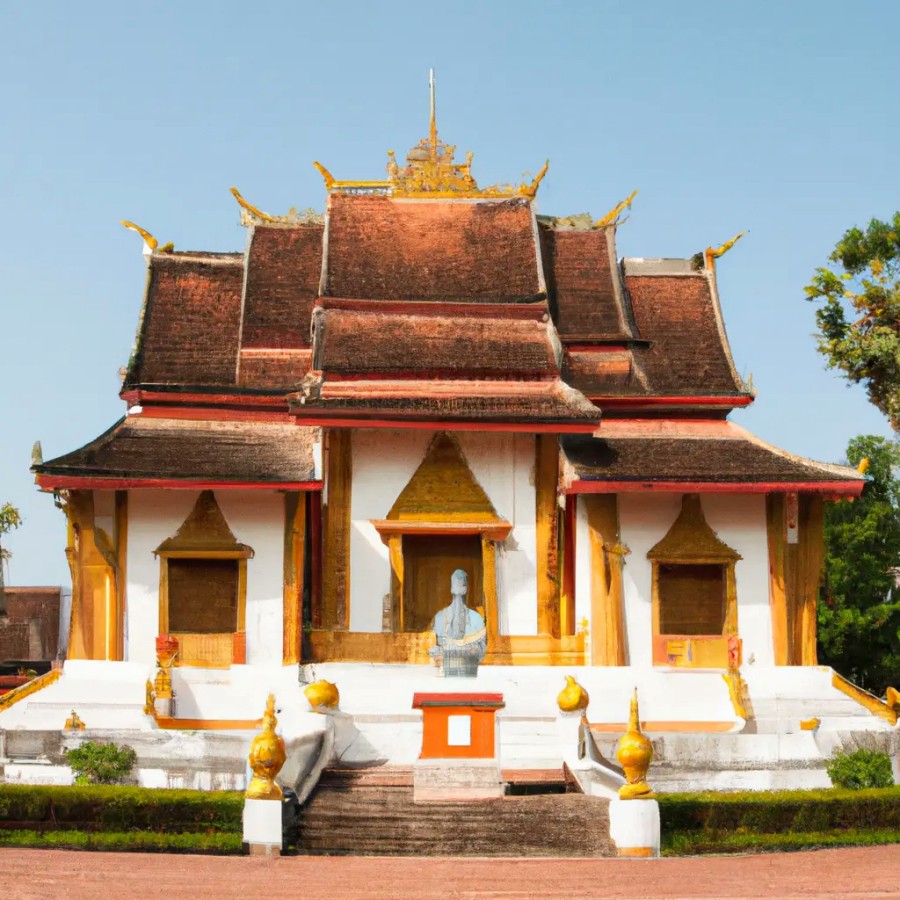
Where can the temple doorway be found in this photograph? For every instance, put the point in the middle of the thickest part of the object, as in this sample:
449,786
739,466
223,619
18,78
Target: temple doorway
429,560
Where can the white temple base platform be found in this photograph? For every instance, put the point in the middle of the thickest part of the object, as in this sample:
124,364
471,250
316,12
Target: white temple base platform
700,742
109,698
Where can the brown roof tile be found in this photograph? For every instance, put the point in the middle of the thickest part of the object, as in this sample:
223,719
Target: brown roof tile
535,402
284,266
188,333
381,248
711,452
373,343
688,354
141,447
583,283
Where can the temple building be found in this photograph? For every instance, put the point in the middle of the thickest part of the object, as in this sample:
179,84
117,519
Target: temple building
432,376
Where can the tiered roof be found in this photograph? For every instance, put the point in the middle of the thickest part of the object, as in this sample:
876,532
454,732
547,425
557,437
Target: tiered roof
426,301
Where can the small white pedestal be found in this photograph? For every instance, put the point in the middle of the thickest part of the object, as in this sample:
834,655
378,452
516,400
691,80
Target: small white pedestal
634,827
262,827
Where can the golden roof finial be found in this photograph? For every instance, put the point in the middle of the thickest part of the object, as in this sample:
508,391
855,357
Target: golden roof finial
710,255
612,217
151,242
250,208
433,126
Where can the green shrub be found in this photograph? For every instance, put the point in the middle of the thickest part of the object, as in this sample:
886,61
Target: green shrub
693,843
771,812
860,769
115,808
96,763
141,841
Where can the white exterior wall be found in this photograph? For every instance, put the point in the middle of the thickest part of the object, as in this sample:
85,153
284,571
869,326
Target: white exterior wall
740,522
583,573
383,462
255,517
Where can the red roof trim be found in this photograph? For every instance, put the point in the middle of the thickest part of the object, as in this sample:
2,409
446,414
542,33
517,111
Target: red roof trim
213,414
332,421
51,482
140,396
836,488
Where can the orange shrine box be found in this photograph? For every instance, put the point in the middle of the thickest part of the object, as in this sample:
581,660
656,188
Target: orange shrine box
458,726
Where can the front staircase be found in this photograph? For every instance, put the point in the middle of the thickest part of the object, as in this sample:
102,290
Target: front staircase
370,812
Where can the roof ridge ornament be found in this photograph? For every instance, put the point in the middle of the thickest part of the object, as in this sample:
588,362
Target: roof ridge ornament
431,170
612,217
710,255
150,243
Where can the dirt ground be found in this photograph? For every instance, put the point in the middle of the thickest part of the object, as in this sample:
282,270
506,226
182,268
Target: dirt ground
852,872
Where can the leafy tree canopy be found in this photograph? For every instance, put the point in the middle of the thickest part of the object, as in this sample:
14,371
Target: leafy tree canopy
9,519
859,618
859,316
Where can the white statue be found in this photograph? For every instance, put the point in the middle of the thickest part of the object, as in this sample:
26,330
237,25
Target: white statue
460,632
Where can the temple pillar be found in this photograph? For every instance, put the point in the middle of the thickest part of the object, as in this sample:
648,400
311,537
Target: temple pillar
294,558
336,538
547,529
607,594
95,630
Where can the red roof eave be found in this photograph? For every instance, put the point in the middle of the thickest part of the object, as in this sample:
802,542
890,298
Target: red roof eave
729,401
49,482
840,489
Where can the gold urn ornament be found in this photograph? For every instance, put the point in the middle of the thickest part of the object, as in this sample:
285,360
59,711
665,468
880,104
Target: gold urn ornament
634,755
267,756
573,697
322,694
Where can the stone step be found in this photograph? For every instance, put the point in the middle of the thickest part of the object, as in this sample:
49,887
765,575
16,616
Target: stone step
371,812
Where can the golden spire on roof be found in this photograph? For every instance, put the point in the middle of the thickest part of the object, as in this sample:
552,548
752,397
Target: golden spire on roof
431,171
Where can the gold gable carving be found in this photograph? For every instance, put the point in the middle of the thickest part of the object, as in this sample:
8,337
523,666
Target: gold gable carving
443,487
204,531
690,539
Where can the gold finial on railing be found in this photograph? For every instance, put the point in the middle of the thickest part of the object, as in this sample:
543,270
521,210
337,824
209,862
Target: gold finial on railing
74,723
634,755
149,700
322,695
710,255
573,697
266,757
612,217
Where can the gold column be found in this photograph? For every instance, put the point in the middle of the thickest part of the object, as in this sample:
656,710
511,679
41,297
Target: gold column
121,542
294,547
336,553
547,525
607,592
395,549
810,560
489,584
95,594
779,587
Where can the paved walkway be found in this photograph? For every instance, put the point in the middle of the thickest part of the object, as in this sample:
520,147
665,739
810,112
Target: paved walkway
57,874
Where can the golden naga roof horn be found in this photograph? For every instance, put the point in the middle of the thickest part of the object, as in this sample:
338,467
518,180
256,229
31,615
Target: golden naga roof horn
431,171
710,255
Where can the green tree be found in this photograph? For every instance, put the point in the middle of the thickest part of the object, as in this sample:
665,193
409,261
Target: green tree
859,616
10,518
859,319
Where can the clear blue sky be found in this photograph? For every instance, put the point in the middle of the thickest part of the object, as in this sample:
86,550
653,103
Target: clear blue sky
780,117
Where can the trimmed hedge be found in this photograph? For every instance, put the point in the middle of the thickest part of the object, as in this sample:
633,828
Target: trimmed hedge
138,841
116,808
689,844
771,812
